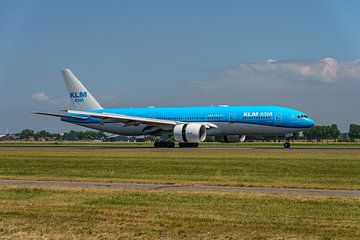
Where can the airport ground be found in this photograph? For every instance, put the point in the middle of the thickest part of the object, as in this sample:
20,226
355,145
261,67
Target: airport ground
103,212
278,144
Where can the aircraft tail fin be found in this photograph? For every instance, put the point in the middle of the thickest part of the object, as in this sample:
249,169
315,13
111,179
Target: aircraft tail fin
80,97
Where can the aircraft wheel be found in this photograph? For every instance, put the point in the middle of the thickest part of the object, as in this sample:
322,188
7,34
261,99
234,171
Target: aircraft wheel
188,145
170,144
164,144
287,145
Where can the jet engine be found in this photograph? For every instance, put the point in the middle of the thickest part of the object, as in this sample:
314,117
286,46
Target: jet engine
190,133
230,138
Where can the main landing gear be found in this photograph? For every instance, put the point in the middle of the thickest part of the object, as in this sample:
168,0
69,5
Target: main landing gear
165,141
164,144
188,145
172,145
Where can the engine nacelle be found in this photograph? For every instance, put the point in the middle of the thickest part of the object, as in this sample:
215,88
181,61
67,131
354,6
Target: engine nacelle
190,133
230,138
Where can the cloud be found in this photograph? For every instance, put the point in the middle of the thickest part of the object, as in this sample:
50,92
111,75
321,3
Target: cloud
44,98
324,71
326,89
330,68
40,97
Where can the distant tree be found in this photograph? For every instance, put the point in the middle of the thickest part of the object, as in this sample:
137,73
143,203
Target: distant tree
354,132
322,132
334,131
26,133
79,135
42,134
71,136
310,133
344,137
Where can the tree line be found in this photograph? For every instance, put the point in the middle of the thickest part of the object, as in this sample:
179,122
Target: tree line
315,133
28,134
331,132
354,132
320,133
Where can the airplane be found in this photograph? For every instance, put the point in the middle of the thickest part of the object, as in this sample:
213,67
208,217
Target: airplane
188,126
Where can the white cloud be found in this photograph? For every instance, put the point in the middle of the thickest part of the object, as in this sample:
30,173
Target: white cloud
324,71
40,97
43,98
326,89
330,68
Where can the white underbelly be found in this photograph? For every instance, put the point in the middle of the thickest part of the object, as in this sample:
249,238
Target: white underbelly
249,129
224,128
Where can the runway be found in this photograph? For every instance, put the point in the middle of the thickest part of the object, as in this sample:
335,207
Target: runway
263,190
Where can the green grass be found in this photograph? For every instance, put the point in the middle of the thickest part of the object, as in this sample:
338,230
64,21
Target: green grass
100,213
60,213
270,168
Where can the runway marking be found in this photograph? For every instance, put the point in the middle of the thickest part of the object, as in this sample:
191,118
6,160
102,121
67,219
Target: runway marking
265,190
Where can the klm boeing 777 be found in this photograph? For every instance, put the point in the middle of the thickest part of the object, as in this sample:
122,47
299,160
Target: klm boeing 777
188,126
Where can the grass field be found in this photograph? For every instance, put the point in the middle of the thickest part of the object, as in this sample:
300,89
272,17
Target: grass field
100,213
60,213
270,168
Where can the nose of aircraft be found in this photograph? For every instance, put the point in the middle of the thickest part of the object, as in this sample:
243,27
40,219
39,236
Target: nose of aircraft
309,122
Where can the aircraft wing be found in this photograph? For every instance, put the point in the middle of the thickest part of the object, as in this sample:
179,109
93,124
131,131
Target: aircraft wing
133,120
61,115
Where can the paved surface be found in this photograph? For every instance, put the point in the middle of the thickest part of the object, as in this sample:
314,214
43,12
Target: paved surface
292,191
104,147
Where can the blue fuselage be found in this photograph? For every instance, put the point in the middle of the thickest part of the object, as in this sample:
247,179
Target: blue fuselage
231,120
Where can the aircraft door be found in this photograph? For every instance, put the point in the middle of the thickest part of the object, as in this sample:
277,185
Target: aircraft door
232,118
278,117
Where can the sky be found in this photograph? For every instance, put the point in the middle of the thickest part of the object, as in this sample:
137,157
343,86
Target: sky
300,54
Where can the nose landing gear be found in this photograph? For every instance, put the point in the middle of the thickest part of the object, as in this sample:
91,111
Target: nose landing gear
287,140
287,144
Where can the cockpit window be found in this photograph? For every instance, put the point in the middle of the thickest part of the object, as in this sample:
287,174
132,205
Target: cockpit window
302,116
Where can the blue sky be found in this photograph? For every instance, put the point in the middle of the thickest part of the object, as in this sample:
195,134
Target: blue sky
300,54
